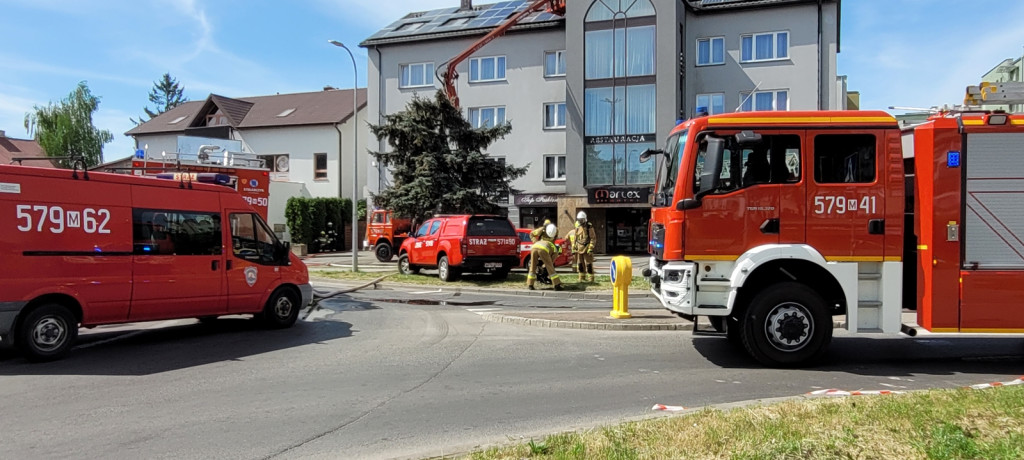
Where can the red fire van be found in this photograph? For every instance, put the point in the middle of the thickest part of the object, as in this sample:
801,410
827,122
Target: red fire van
86,249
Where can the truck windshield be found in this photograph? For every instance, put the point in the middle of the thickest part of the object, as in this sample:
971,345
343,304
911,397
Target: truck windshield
665,185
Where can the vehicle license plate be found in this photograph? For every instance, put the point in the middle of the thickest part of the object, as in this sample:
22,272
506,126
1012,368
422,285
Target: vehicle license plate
492,265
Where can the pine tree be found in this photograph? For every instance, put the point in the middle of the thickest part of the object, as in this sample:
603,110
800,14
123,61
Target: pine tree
438,162
66,129
166,94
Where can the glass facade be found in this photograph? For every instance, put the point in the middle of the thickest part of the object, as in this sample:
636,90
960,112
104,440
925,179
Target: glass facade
619,91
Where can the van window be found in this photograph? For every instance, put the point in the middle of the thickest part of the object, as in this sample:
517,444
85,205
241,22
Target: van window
434,227
170,232
251,239
488,226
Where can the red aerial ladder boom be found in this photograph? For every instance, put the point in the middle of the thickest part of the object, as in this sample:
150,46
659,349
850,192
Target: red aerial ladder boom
448,72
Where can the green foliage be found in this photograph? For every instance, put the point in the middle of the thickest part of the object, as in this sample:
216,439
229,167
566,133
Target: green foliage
361,210
166,94
66,129
438,162
318,222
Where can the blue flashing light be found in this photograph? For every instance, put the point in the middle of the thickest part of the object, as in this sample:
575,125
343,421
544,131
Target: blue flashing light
147,248
953,159
656,244
213,178
140,154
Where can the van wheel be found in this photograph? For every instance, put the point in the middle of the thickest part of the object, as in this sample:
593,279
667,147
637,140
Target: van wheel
282,309
526,263
47,333
445,271
406,268
383,252
786,325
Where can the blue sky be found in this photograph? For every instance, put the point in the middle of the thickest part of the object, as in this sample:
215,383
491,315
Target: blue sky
913,53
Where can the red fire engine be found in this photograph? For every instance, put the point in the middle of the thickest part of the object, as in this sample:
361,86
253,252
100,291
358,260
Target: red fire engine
770,223
244,172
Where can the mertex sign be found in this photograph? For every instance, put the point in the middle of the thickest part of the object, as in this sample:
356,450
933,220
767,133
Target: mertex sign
611,195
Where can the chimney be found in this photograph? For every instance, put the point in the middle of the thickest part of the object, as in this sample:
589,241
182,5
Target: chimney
467,5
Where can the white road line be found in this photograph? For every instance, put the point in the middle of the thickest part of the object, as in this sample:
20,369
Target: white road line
426,292
481,311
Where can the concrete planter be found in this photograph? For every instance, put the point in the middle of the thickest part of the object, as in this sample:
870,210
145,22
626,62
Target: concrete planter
299,249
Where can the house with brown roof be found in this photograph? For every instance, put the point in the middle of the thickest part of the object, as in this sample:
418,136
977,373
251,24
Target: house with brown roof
12,149
306,139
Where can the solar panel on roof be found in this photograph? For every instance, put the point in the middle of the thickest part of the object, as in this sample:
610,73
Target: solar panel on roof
451,19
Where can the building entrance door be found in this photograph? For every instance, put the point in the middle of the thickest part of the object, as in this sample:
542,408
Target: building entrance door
626,230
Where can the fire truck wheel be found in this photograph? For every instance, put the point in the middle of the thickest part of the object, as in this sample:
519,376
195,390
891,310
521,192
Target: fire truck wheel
786,325
445,271
383,252
47,333
282,309
406,268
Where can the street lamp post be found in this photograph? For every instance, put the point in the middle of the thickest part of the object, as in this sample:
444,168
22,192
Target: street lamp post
355,157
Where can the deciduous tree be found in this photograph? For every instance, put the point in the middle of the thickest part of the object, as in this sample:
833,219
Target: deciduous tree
66,129
438,162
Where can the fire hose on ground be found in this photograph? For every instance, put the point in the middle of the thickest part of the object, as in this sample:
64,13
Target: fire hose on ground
319,295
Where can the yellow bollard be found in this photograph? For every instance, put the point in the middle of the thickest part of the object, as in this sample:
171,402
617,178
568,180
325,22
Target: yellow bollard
622,275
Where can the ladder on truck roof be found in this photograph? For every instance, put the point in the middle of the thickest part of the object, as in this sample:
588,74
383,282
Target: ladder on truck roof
998,93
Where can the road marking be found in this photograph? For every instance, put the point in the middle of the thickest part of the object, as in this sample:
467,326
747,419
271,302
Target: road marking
426,292
481,311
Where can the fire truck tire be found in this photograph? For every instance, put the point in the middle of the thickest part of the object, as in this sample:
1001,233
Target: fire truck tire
445,271
47,333
383,252
406,268
786,325
282,309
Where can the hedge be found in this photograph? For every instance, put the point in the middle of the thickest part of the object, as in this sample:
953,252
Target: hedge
308,220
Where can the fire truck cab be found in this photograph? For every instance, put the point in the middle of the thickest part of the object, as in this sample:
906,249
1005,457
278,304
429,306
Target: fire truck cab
771,223
92,248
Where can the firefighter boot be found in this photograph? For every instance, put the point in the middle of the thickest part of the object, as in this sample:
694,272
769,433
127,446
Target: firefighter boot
590,277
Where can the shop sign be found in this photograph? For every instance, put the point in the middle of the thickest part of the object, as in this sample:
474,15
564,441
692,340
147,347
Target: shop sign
536,200
620,139
609,195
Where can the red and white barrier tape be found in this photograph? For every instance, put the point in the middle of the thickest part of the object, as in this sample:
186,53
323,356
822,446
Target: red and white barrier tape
668,408
834,392
981,386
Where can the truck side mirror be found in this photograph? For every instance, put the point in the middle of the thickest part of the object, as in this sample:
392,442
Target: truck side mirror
747,137
646,154
688,203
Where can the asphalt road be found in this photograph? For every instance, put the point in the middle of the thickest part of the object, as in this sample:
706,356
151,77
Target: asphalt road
387,373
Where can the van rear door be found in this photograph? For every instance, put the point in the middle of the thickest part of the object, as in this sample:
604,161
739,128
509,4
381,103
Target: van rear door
491,236
252,269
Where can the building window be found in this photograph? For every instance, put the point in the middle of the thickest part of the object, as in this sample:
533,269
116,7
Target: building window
619,91
415,75
487,69
769,46
554,167
554,63
554,115
764,100
319,166
711,103
486,117
711,51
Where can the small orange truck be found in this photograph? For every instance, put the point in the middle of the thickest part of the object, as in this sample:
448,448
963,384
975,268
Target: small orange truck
385,233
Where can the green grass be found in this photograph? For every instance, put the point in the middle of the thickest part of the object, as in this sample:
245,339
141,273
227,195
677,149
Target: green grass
936,424
515,280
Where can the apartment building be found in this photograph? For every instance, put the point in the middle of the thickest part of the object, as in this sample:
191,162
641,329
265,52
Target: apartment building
587,92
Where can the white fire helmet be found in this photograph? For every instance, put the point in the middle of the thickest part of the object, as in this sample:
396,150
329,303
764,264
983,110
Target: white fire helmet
551,230
581,216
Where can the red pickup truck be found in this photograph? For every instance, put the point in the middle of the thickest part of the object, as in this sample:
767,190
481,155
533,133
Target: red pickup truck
463,243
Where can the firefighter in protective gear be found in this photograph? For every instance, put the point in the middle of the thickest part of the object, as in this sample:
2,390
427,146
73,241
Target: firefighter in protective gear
583,247
571,236
541,252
